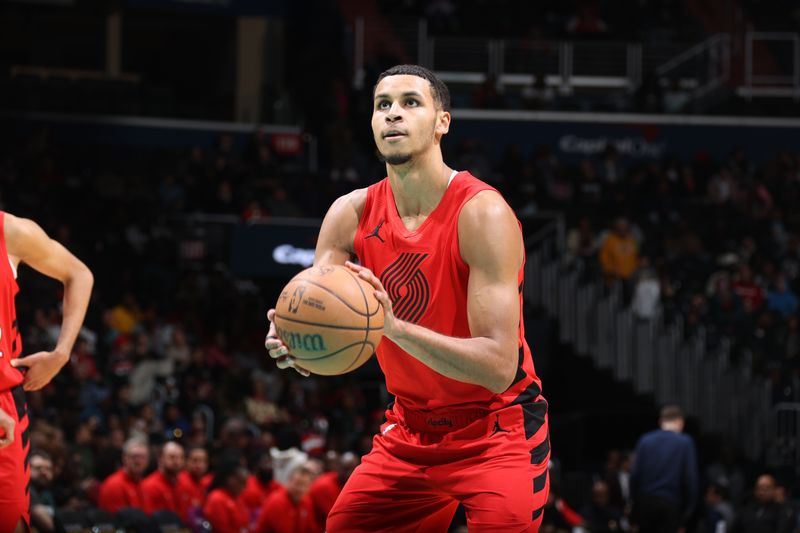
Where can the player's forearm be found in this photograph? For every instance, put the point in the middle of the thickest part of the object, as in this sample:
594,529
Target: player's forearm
477,360
77,291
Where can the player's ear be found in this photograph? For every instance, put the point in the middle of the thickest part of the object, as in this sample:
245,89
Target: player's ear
442,122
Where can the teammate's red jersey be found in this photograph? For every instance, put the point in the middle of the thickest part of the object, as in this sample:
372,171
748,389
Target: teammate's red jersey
118,491
159,494
255,493
323,494
226,513
280,514
426,279
10,340
191,494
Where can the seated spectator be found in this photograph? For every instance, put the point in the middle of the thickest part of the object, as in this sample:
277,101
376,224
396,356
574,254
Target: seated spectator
748,291
160,489
193,484
600,516
260,484
646,292
718,512
619,253
224,509
764,514
289,510
123,488
326,488
42,507
782,299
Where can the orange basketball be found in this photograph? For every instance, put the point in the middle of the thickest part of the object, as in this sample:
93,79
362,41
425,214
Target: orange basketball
329,319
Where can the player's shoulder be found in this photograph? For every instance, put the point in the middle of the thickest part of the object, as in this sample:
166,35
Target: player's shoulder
350,203
487,208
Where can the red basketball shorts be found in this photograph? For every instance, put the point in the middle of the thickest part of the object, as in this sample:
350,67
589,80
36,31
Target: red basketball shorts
14,468
421,467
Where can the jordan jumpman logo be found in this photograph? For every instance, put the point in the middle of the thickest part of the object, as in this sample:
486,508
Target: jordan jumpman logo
376,232
497,428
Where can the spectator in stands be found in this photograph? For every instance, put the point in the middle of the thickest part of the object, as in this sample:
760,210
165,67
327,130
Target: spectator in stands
123,488
664,480
260,484
193,483
646,292
487,95
160,489
326,488
748,291
586,22
718,513
600,516
582,244
782,299
43,503
617,475
790,509
559,516
289,510
764,514
223,508
619,253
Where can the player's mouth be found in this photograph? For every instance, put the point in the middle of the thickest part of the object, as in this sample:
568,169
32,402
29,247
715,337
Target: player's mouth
393,135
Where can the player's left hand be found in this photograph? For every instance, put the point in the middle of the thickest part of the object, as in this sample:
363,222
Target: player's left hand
390,323
42,367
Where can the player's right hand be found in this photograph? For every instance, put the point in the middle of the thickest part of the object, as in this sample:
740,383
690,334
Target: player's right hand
7,424
278,350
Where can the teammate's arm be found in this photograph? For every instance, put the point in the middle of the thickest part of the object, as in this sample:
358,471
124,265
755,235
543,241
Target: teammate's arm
334,247
28,243
491,244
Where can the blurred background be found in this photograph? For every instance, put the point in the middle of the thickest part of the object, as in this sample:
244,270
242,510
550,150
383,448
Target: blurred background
186,150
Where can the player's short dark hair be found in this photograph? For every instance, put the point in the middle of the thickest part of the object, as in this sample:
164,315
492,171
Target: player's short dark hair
440,92
670,413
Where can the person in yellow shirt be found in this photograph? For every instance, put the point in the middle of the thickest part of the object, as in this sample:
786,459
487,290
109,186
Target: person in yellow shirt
619,253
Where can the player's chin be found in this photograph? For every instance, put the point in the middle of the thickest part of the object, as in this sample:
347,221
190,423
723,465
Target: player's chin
395,158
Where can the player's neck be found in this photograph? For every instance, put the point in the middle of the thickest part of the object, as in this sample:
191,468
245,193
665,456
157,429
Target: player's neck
418,186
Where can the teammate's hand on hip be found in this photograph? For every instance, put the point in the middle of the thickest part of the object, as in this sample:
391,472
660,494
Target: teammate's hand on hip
42,367
389,320
278,350
7,424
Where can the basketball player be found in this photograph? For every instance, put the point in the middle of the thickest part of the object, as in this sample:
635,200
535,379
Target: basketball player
23,241
445,255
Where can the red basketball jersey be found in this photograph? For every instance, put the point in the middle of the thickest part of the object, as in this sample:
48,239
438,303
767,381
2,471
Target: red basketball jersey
426,279
10,341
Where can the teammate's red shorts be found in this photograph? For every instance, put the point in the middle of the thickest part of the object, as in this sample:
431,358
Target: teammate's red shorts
14,468
421,467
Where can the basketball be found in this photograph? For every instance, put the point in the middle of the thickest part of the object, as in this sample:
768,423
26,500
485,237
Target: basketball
329,319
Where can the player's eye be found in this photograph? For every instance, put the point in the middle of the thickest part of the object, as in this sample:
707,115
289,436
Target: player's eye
412,102
383,104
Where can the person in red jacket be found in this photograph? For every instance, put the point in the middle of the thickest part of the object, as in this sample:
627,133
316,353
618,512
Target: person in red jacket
289,510
224,509
259,486
123,487
326,488
160,489
193,484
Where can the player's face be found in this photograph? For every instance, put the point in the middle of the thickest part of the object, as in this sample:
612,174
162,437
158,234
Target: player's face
172,459
405,119
197,464
135,460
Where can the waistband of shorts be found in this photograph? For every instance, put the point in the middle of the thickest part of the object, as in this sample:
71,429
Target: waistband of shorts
439,421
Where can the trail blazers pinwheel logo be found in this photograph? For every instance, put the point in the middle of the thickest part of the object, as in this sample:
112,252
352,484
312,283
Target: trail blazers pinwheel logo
407,287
